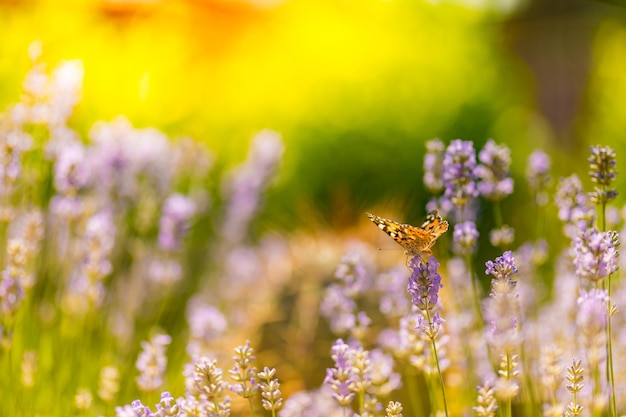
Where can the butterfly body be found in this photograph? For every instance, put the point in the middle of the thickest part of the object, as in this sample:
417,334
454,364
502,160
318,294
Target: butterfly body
416,241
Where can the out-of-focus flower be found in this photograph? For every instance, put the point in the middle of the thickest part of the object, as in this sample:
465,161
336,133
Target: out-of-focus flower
152,363
244,186
595,254
465,237
502,237
433,166
538,176
494,182
175,217
502,305
459,172
573,204
109,384
593,312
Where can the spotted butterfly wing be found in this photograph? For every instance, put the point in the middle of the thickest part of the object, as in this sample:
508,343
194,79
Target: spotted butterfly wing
416,241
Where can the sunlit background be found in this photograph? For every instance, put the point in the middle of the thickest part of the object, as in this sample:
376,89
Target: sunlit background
355,88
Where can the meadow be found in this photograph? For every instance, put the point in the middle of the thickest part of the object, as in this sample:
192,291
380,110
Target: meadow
137,282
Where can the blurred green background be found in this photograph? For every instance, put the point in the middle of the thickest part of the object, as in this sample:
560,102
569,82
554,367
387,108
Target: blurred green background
355,87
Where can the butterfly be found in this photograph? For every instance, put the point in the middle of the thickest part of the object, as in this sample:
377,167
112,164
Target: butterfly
416,241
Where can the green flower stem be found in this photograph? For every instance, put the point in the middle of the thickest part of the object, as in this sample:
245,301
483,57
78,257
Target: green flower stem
434,346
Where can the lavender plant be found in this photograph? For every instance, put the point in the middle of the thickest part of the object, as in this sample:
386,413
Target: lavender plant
122,247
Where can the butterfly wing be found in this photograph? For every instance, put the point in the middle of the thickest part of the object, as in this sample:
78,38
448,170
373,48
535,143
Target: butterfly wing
415,240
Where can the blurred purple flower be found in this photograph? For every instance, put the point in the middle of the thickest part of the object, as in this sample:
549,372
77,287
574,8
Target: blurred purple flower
392,286
573,204
459,172
244,186
538,176
433,166
465,237
152,362
122,158
175,217
353,275
495,182
70,171
501,308
595,254
592,316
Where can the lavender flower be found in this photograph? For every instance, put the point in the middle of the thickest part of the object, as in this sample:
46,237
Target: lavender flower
592,315
206,389
70,171
384,379
487,405
595,254
503,267
602,171
495,182
270,390
206,325
243,188
311,404
538,176
340,378
243,373
465,237
353,275
433,166
502,306
109,383
459,172
424,283
573,204
152,362
392,286
177,212
502,237
12,290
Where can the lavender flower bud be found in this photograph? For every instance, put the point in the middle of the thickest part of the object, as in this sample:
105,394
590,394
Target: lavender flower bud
602,163
341,377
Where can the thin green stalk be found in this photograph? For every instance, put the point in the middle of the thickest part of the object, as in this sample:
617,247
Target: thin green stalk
435,354
508,377
251,407
413,397
596,389
497,214
475,296
609,344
